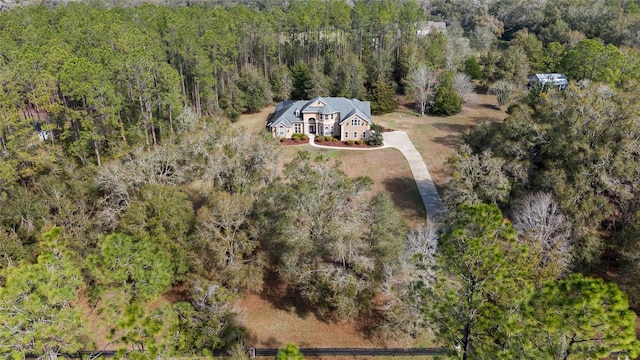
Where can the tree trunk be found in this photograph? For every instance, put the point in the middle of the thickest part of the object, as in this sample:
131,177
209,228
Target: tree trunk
182,84
122,134
264,60
196,90
466,341
171,121
146,131
151,122
96,149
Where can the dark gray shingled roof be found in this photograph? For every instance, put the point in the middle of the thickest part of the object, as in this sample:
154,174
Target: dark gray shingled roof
285,112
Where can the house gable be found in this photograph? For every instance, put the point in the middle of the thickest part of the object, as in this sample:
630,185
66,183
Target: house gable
320,116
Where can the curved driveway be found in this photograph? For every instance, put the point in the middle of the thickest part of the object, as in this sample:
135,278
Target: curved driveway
399,140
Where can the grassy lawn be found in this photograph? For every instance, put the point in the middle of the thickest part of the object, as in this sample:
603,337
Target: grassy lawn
396,179
436,138
255,122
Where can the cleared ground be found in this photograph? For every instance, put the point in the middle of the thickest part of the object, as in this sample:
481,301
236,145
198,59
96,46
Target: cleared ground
436,138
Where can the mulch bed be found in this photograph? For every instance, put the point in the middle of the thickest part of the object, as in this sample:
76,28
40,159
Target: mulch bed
340,144
293,142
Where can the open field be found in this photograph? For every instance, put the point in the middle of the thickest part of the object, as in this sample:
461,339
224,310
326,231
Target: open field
271,320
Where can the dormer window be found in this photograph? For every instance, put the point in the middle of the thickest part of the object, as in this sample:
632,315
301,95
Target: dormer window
297,112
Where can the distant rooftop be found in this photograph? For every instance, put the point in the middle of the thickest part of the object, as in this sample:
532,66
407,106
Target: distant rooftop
552,79
439,26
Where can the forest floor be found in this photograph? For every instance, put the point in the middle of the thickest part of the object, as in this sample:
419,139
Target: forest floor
274,317
270,317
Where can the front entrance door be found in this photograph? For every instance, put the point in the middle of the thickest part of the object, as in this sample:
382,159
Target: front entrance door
312,129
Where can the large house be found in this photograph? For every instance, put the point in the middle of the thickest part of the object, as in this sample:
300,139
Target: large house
347,119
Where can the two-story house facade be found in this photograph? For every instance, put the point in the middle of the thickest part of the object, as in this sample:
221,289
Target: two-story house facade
347,119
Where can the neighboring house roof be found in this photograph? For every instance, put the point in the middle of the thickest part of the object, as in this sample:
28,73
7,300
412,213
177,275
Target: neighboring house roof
288,112
553,79
439,26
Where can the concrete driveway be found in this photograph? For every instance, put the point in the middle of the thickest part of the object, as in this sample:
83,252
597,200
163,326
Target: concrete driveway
428,192
399,140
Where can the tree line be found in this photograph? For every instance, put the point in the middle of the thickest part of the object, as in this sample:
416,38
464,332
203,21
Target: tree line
128,198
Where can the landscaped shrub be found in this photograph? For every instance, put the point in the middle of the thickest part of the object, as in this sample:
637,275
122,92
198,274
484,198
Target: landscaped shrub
334,139
359,142
351,142
328,138
295,137
320,139
304,137
283,140
375,136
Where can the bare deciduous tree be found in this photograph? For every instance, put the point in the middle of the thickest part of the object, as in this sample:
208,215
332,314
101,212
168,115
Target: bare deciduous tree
186,121
417,264
422,81
504,92
227,242
458,49
465,88
542,226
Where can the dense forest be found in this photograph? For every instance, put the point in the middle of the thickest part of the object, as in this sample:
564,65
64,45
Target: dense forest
121,180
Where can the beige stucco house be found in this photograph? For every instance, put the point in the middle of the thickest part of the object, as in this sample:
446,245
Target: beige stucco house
347,119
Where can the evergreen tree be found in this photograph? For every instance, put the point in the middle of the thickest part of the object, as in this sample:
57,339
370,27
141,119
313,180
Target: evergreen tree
382,97
446,100
480,283
472,68
302,82
579,318
38,302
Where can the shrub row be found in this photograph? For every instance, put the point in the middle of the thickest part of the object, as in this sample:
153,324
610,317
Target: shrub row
297,137
326,138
